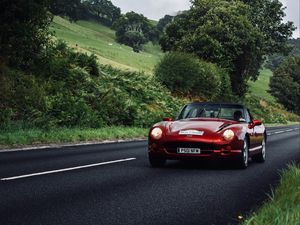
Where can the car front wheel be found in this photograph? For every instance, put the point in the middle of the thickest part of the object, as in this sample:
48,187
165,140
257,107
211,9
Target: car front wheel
261,157
244,157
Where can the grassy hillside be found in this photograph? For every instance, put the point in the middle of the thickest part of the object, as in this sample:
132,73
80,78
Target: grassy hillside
92,37
98,39
260,87
263,104
95,38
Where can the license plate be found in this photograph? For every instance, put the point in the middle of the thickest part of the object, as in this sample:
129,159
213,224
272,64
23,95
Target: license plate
188,150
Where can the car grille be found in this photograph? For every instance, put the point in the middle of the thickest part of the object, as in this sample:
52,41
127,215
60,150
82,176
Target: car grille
206,148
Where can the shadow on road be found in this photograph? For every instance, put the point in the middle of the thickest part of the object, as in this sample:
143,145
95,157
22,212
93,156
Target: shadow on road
201,165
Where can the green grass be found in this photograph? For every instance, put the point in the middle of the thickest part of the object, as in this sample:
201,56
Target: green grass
264,106
92,37
68,135
261,86
283,208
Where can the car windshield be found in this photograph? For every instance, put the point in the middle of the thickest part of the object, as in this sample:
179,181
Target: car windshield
228,112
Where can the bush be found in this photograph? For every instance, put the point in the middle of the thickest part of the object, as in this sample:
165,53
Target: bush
184,73
136,98
65,90
58,59
23,93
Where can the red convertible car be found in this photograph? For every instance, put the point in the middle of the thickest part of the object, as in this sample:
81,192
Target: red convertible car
208,130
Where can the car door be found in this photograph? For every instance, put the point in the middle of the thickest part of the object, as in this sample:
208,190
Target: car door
257,133
250,129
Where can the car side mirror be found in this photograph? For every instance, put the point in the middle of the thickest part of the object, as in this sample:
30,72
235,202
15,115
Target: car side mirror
167,119
255,123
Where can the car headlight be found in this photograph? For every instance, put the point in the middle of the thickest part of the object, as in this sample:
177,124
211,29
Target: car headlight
156,133
228,135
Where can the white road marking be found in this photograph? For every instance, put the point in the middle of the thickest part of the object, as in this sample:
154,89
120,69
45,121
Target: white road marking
254,149
289,130
279,132
282,131
66,169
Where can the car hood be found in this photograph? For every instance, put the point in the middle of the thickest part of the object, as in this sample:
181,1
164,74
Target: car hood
208,126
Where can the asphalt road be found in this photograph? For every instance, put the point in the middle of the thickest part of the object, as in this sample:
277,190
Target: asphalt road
114,184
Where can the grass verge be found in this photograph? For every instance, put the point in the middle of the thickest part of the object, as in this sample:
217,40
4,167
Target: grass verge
283,208
65,135
289,123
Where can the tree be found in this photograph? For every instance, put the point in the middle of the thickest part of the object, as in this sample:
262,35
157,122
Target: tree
276,59
285,84
163,22
103,10
267,16
23,30
134,30
135,39
69,8
226,33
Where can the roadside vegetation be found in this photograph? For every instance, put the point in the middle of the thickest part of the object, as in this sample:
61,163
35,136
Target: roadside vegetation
91,81
73,90
283,206
19,137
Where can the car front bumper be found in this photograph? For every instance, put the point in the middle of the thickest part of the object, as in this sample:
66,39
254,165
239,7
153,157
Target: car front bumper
169,150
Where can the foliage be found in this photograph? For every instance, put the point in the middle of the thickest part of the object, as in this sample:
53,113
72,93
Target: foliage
142,95
67,89
163,22
23,31
135,39
185,73
267,16
268,112
285,84
52,93
134,30
276,59
101,10
58,60
69,8
229,34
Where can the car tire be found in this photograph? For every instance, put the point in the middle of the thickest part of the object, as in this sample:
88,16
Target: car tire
244,157
261,157
156,161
